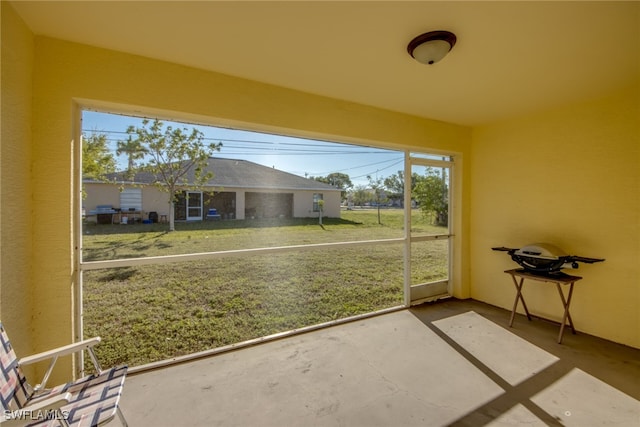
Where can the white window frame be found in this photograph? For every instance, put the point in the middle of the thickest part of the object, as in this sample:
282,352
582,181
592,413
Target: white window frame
317,197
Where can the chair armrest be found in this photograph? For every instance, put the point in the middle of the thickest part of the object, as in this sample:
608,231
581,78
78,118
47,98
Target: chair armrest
24,416
44,404
53,355
60,351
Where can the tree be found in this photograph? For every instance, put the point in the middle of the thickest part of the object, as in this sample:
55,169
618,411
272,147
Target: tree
320,210
97,160
395,185
338,180
360,195
133,149
176,158
432,193
378,190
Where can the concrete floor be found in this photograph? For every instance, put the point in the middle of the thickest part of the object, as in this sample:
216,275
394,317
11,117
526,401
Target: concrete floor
446,363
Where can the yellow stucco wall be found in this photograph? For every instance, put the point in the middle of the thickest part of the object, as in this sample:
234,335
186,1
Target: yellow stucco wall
569,177
15,181
577,188
65,76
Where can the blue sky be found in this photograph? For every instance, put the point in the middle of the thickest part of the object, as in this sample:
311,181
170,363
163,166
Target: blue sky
294,155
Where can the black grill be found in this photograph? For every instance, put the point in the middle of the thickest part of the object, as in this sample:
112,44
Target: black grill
545,258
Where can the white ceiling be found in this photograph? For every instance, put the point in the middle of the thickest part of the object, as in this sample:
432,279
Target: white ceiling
511,58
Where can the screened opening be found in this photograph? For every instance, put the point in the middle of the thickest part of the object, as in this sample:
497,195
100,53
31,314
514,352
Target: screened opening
262,235
430,248
268,205
158,312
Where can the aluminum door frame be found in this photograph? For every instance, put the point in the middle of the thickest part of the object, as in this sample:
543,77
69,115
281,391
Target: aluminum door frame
189,207
440,285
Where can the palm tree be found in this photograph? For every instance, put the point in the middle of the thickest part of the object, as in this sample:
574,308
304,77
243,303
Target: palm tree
133,149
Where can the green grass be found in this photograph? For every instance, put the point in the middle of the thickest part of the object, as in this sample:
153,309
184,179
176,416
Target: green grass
156,312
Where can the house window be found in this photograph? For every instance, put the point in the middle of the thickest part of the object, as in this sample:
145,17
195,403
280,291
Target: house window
317,197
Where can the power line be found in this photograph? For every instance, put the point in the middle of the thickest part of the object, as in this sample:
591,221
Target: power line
284,151
307,143
378,170
248,147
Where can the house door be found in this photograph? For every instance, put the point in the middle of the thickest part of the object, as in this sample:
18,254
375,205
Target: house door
194,205
429,245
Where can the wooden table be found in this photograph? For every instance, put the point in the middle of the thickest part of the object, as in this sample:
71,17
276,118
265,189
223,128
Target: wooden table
518,275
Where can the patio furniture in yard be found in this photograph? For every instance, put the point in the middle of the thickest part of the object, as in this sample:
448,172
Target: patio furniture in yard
89,401
213,215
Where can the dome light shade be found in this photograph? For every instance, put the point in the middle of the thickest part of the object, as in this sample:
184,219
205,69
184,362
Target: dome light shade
431,47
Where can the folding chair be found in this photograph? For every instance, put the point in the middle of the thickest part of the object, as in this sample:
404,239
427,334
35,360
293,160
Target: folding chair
89,401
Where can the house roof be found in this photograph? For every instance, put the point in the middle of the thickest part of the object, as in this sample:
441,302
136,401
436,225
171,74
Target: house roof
246,174
235,173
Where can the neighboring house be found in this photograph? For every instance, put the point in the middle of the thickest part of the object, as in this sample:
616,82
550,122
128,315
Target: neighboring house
239,190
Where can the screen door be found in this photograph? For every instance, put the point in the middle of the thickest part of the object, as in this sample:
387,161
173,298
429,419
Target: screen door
194,206
429,227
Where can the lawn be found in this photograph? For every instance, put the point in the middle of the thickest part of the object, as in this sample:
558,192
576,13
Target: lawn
157,312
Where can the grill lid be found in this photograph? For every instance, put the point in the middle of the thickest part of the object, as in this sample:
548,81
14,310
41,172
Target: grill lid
541,250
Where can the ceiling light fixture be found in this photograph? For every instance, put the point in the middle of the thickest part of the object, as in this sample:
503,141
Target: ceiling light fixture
431,47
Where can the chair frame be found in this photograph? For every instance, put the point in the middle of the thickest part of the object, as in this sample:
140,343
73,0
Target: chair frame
54,403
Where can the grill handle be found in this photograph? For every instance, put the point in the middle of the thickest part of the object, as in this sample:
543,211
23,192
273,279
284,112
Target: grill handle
574,258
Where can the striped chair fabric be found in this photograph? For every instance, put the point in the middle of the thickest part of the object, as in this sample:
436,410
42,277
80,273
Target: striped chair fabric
95,398
15,391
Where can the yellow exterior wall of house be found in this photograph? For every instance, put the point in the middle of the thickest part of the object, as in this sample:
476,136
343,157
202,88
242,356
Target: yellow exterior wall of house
303,204
99,194
16,232
568,177
153,200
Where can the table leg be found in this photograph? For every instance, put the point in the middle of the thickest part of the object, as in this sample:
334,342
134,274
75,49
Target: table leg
566,315
519,297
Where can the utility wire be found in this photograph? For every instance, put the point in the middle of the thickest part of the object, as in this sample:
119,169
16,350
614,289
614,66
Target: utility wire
262,148
308,143
322,146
